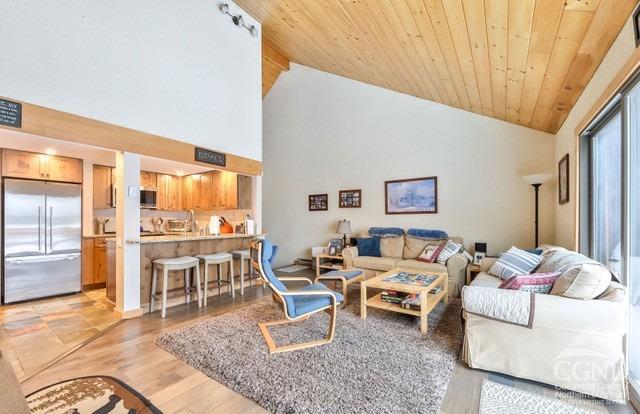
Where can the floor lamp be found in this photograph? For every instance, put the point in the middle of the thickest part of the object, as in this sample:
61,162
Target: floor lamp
536,180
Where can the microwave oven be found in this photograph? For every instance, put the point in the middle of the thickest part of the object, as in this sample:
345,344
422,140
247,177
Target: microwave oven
147,198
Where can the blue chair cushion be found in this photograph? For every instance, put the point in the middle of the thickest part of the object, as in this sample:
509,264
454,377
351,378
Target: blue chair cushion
347,274
308,304
267,253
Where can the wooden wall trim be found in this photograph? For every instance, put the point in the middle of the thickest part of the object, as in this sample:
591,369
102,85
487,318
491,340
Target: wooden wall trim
623,75
52,123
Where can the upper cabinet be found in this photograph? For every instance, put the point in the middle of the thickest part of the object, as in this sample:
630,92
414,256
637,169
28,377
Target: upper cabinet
21,164
168,195
102,186
148,180
216,190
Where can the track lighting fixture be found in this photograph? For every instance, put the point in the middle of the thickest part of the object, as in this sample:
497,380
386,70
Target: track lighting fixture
238,20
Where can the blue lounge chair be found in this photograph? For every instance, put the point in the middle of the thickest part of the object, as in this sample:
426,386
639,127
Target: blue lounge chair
297,305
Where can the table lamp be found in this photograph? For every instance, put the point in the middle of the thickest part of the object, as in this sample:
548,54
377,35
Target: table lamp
344,228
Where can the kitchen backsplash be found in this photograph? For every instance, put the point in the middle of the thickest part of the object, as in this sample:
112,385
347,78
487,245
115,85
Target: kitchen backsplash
146,216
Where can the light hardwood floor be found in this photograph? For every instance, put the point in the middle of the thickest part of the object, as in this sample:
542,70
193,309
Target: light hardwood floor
129,353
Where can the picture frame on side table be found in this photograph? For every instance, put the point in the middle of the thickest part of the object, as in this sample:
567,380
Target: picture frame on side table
477,258
411,196
350,198
563,180
318,202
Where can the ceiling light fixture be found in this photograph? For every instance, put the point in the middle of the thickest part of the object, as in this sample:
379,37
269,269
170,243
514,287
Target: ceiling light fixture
238,20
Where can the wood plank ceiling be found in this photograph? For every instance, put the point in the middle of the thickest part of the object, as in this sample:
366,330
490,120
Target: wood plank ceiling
522,61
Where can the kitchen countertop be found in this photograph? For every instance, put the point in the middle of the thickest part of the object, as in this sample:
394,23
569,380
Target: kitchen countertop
174,238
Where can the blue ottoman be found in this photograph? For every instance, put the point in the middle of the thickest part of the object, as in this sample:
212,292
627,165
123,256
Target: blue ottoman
345,277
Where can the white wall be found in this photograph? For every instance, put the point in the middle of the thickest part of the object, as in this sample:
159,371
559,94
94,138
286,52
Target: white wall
566,139
323,133
173,68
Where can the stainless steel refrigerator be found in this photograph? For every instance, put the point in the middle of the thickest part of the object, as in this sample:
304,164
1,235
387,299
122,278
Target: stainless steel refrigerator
42,239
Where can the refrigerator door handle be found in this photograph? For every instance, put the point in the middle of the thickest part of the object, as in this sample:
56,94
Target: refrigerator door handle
39,228
51,228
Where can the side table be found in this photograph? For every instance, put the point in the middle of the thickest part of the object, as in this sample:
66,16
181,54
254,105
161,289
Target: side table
329,263
472,271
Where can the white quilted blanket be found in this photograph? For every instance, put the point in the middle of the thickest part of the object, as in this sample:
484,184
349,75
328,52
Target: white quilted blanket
506,305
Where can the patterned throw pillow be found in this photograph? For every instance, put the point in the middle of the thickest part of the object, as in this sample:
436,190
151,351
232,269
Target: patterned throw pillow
430,253
450,248
515,262
535,282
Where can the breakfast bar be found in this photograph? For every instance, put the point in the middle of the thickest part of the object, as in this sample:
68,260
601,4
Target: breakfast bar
169,246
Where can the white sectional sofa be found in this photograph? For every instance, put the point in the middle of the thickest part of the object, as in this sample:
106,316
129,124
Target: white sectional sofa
574,344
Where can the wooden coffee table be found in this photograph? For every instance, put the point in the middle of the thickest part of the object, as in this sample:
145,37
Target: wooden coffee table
428,301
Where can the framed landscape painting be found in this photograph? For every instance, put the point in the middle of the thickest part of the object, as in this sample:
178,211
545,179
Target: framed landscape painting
411,196
318,202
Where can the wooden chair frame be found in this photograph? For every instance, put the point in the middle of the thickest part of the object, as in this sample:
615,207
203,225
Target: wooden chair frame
279,295
343,281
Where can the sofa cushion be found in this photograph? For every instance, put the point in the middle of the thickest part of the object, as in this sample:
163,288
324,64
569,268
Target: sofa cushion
413,246
392,246
430,253
386,231
515,262
375,263
368,246
449,249
586,281
428,234
615,293
536,282
417,266
486,280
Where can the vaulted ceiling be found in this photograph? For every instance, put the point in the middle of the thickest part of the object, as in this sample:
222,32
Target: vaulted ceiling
522,61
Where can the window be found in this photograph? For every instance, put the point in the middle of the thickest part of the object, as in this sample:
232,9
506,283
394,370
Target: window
610,202
606,193
632,208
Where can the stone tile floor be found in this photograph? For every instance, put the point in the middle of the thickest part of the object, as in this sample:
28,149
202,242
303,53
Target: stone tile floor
33,334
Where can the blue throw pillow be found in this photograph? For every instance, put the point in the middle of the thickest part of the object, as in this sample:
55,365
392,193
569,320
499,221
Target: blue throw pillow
368,246
534,251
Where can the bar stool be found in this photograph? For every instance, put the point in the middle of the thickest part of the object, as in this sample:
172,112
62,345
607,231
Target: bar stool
243,255
185,263
219,259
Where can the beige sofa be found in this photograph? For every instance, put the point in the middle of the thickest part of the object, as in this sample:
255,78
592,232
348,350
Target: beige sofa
573,344
401,252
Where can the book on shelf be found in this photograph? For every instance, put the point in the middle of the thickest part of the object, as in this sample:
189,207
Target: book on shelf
412,301
393,296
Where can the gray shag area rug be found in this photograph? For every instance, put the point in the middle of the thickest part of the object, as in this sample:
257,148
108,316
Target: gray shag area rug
382,364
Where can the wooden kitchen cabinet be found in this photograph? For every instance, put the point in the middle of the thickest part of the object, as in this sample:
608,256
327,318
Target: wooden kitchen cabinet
148,180
63,169
168,194
22,164
102,186
94,262
100,261
191,187
206,191
230,190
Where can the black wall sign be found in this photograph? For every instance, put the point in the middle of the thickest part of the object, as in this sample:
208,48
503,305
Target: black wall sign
10,113
211,157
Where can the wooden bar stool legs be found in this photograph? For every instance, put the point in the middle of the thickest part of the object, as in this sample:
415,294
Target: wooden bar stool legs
185,264
217,259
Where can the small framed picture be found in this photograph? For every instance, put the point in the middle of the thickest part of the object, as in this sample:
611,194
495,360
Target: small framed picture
563,180
318,202
349,198
477,257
